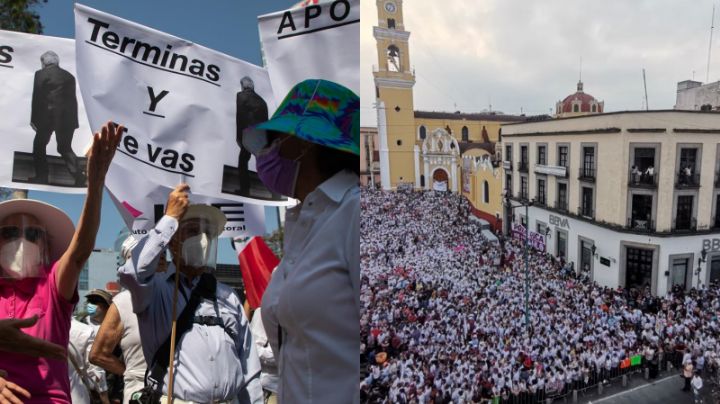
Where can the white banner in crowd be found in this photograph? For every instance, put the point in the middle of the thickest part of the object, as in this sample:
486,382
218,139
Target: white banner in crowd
184,105
44,128
142,204
319,41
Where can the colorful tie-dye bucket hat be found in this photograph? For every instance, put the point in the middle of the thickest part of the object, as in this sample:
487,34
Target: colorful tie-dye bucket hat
322,112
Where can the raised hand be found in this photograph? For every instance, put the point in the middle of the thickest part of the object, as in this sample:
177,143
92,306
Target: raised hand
178,201
14,340
102,151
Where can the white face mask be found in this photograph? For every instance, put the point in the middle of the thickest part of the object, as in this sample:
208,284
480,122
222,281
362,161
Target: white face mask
195,251
20,258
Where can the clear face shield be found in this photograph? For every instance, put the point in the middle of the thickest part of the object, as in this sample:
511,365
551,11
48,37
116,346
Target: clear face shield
23,247
198,244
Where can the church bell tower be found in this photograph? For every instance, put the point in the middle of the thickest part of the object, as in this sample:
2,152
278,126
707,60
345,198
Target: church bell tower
394,81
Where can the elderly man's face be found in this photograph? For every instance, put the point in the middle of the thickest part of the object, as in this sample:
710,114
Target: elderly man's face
188,229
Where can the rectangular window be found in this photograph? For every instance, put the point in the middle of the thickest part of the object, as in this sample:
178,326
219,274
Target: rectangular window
644,158
541,156
541,192
524,158
83,281
641,216
688,168
688,157
523,187
678,273
683,214
589,162
561,244
638,267
541,228
508,153
563,156
562,196
587,202
715,268
508,184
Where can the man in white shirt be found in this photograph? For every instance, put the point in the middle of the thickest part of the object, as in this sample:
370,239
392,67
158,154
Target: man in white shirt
83,375
215,360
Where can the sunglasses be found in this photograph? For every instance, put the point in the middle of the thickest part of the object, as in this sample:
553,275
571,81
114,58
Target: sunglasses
31,234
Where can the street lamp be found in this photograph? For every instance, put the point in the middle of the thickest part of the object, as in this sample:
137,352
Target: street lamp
527,205
701,260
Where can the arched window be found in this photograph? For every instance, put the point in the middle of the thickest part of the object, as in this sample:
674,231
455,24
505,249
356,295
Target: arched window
422,132
486,192
391,23
393,55
465,136
575,108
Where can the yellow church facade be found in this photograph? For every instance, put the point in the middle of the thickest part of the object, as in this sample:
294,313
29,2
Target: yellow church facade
444,151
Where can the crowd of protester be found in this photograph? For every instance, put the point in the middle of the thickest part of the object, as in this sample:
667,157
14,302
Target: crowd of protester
443,312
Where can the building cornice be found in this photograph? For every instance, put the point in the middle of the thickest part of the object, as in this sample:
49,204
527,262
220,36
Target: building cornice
565,132
693,130
386,33
650,111
396,83
646,130
618,228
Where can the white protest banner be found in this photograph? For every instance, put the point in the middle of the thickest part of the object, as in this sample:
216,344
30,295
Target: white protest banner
184,105
142,203
44,129
318,41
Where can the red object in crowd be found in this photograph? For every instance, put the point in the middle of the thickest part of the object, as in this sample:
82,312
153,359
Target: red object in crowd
528,362
257,262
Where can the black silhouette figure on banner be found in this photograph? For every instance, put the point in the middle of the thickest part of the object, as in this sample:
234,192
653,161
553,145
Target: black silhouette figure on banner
54,109
251,110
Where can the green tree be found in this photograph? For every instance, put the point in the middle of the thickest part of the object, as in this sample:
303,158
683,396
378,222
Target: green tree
18,15
275,242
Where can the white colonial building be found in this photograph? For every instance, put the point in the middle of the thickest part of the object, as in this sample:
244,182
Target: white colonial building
630,197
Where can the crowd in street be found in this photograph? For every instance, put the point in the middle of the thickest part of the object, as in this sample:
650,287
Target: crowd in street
443,315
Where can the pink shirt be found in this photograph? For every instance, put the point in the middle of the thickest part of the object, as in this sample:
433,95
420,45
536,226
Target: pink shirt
46,379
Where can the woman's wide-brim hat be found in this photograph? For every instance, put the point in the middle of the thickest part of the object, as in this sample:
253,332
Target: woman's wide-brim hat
321,112
59,227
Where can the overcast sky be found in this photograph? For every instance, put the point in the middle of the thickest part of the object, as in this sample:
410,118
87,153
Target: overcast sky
515,54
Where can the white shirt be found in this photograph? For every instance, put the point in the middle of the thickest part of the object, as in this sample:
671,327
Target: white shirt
209,364
82,337
314,294
269,373
132,353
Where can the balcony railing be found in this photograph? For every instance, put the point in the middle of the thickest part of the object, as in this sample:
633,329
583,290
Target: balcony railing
523,166
540,200
640,225
507,165
684,224
561,205
586,211
643,180
687,181
586,174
